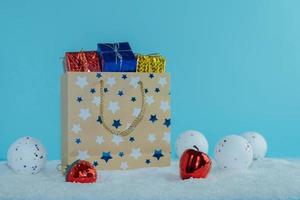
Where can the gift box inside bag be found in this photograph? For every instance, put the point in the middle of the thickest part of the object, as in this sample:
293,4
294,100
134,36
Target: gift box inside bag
116,120
117,57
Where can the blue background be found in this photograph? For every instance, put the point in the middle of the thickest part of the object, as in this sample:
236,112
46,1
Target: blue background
234,64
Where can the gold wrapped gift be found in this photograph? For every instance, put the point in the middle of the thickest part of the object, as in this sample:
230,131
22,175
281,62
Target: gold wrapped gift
155,63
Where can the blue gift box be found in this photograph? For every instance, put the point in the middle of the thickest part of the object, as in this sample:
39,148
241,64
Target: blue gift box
116,57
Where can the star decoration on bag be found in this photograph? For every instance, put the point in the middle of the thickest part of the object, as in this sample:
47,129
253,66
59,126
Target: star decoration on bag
120,93
124,76
133,99
153,118
77,141
81,81
124,165
149,100
151,138
76,128
96,101
100,140
121,154
134,81
146,90
83,155
136,112
162,81
105,90
167,122
99,119
84,113
151,76
93,90
117,139
131,139
113,106
116,123
158,154
148,161
164,106
157,90
98,75
95,163
79,99
106,156
135,153
111,81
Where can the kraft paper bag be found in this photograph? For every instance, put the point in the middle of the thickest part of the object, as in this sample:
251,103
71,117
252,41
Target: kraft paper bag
116,120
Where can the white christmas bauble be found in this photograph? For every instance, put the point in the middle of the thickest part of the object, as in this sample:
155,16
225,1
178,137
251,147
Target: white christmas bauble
190,138
233,152
258,143
26,155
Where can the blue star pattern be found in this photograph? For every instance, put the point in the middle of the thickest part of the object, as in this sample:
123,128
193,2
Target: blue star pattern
106,156
151,76
133,99
146,90
148,161
124,76
95,163
167,122
77,141
120,93
157,90
93,90
79,99
99,119
105,90
117,123
131,139
98,75
121,154
153,118
157,154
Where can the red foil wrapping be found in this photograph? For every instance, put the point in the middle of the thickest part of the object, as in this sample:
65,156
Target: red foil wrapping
83,61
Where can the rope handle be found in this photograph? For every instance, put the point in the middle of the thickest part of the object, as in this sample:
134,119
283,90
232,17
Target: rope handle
135,122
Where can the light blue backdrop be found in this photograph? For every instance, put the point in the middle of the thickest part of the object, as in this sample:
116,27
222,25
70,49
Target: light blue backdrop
235,64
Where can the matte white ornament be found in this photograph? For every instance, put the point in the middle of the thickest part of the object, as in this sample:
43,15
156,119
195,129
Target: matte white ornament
233,152
258,143
26,155
190,138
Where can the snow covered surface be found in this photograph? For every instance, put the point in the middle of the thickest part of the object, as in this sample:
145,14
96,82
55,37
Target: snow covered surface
265,179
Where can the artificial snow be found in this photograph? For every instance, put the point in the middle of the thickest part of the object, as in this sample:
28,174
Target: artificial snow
265,179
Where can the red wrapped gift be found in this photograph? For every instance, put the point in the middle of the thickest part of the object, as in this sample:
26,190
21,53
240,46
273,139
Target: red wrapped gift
83,61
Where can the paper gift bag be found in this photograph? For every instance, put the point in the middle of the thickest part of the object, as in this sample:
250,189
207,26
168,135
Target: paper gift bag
116,120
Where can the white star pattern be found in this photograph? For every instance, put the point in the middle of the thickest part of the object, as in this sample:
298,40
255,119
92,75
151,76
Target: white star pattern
134,81
84,114
136,153
166,137
164,106
96,101
83,155
99,139
124,165
81,81
117,139
76,128
151,138
111,81
136,112
149,100
162,81
113,106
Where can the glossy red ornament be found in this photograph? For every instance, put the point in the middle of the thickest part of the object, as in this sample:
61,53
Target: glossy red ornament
194,163
81,171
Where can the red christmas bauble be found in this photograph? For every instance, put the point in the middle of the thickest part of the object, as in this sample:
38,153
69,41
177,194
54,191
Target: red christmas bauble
194,163
81,171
